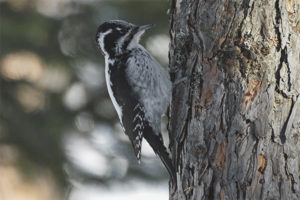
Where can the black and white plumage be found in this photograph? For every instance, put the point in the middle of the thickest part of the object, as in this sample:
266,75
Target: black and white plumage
140,89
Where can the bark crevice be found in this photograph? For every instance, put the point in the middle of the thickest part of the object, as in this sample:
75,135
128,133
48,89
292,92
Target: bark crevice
283,131
277,25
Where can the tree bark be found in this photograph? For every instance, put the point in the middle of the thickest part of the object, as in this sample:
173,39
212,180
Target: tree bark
235,118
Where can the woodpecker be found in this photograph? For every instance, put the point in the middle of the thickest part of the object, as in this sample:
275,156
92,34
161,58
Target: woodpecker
139,88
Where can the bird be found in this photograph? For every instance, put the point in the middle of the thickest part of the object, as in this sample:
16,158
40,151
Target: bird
139,87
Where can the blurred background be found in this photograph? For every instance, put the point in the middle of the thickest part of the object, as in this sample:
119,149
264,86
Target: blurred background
59,133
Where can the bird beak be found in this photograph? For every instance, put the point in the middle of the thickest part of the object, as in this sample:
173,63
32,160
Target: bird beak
145,27
138,31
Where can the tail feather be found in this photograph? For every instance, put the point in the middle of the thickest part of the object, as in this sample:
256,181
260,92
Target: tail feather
157,144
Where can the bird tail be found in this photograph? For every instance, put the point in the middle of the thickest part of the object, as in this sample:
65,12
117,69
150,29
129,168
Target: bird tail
157,144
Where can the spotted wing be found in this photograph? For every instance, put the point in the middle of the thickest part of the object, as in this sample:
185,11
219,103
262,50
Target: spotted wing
130,110
134,124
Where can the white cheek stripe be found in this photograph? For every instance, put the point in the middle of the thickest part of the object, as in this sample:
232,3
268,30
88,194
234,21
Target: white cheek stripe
101,41
109,85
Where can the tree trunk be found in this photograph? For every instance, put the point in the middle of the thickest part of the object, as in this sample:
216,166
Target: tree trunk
235,120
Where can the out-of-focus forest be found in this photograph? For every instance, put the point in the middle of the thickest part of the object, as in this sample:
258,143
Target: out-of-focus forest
59,133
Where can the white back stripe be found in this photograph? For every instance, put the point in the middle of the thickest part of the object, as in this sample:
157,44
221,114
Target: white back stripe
109,84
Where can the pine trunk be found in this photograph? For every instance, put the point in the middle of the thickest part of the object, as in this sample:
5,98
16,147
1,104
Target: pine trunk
235,114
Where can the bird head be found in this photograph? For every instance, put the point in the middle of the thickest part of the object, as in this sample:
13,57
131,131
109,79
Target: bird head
116,37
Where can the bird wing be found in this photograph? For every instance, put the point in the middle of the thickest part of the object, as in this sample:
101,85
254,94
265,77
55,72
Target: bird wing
151,84
134,123
132,111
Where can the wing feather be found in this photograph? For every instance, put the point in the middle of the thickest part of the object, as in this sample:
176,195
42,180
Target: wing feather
133,115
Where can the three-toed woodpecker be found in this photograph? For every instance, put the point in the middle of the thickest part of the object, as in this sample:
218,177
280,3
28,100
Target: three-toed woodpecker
139,88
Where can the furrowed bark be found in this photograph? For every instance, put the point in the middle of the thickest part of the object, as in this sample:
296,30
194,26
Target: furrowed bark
235,120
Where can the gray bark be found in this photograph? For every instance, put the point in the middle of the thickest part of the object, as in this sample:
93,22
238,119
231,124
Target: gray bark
235,121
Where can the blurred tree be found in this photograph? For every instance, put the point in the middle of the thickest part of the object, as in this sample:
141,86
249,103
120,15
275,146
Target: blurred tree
52,87
235,122
32,118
